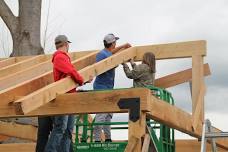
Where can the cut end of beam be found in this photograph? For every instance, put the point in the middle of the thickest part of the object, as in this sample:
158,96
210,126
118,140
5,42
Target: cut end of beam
18,108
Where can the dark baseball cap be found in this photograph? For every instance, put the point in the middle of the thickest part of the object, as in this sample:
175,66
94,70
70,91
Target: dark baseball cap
61,39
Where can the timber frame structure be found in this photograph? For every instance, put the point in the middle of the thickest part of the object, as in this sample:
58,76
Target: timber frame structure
27,89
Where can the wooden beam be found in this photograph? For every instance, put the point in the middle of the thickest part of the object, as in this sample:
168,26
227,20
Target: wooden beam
20,66
28,132
146,143
174,50
18,147
197,82
179,77
105,101
177,119
196,115
7,62
1,59
48,93
26,75
132,142
67,102
140,126
3,138
192,146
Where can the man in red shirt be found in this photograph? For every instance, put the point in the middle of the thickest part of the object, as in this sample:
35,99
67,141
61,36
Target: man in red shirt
61,134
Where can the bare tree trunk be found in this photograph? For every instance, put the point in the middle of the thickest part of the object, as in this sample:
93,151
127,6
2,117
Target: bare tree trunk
25,29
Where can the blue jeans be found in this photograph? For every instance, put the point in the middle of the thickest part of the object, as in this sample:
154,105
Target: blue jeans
60,139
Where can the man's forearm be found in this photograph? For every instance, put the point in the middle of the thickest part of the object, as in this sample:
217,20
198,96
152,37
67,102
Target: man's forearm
117,49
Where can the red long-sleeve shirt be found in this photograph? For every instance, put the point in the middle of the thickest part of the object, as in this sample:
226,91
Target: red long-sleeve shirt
62,68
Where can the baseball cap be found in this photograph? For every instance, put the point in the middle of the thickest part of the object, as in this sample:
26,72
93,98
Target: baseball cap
110,38
61,39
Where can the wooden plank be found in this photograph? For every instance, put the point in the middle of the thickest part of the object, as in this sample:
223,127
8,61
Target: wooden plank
174,50
197,81
162,51
146,143
179,77
140,126
1,59
7,62
18,130
131,144
192,146
26,75
83,100
196,115
20,66
3,138
18,147
48,93
177,119
105,101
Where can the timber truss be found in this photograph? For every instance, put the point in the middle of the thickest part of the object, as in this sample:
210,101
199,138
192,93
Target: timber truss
27,89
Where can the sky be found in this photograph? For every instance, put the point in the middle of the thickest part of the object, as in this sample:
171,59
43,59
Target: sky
143,22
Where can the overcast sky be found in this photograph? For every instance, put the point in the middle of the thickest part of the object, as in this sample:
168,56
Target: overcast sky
142,22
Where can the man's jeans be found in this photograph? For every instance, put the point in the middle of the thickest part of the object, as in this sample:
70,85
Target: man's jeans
104,117
60,139
44,129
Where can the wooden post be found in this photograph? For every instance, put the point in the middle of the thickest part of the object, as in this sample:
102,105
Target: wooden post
197,82
135,131
146,143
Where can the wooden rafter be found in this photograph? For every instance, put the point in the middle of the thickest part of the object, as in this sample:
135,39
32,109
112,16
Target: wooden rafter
18,130
179,77
7,62
18,147
174,50
21,66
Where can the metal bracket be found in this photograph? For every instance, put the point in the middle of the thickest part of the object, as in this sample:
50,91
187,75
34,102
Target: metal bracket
133,104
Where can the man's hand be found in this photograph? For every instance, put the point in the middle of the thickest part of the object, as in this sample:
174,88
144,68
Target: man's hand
132,61
127,45
90,79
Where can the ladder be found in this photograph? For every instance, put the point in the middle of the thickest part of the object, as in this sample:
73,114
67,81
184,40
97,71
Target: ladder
208,134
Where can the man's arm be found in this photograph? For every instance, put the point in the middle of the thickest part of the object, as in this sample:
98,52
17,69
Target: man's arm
124,46
62,64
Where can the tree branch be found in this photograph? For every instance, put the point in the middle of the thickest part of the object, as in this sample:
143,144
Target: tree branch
7,16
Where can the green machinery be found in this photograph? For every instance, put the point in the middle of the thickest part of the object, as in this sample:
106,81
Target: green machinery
162,137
